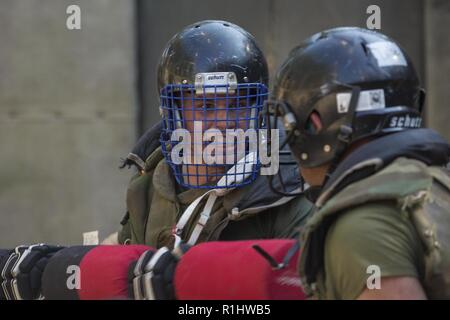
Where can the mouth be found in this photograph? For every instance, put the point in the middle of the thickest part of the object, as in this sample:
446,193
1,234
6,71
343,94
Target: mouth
232,152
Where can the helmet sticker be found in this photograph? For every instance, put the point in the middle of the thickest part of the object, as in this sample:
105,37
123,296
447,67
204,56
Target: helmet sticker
368,100
371,100
343,102
387,54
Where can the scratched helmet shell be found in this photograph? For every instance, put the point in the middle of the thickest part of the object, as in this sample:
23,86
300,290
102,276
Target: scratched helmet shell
358,82
210,66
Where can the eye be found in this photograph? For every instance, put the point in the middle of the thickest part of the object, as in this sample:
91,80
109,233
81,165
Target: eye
200,104
205,106
243,103
208,105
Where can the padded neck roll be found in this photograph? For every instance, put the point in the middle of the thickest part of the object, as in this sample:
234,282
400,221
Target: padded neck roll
90,272
234,270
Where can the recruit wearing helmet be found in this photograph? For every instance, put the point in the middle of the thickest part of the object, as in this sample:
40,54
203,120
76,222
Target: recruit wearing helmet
341,86
212,77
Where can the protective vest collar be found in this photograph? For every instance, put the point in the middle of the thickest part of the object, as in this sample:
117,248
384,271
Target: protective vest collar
425,145
145,146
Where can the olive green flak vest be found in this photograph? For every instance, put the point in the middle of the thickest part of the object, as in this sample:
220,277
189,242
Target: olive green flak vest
154,208
421,192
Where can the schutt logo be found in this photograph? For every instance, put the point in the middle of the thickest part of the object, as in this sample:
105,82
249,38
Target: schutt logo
215,77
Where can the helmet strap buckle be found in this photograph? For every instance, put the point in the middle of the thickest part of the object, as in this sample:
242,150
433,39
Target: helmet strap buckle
345,134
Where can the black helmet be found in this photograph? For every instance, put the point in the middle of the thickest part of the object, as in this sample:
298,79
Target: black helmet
212,46
359,83
212,73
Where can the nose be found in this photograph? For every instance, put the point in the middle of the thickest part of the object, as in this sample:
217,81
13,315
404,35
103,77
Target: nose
221,117
226,119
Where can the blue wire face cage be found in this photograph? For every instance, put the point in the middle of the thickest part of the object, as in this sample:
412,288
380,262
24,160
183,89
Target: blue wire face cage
211,130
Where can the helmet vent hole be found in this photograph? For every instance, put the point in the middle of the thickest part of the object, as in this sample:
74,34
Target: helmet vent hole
226,24
197,26
322,36
363,45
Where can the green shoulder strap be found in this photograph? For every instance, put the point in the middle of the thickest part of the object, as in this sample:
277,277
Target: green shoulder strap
401,181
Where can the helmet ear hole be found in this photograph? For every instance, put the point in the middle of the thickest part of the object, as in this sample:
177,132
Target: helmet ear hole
314,124
422,96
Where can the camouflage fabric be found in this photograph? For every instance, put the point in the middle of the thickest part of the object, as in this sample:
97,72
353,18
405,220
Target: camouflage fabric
420,192
155,205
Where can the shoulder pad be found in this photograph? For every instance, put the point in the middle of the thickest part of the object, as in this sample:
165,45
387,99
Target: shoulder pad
144,147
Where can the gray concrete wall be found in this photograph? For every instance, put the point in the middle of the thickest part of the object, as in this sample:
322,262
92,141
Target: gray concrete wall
67,106
68,99
437,46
